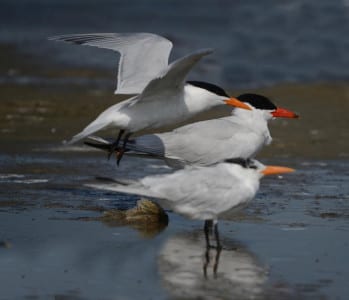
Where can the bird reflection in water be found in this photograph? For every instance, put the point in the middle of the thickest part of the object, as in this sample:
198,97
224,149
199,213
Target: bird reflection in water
231,272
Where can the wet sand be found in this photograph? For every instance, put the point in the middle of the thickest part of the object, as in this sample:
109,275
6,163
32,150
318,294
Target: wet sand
290,243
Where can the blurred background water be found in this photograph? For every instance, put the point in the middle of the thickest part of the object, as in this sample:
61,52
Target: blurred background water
257,43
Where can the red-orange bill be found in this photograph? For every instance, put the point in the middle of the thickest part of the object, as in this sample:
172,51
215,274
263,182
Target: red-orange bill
284,113
272,170
237,103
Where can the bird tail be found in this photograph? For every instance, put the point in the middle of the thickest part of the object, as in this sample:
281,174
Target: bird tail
99,142
149,145
90,129
123,186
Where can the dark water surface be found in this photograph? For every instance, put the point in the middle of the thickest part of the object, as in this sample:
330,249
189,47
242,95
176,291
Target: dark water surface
257,43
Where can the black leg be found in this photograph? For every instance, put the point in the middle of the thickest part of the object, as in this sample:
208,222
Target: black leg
207,252
121,151
216,233
116,143
207,230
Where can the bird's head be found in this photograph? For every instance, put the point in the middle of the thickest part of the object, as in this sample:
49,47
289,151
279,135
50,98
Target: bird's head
217,94
265,106
259,168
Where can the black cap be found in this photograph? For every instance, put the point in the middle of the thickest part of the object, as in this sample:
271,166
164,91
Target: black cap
245,163
257,101
215,89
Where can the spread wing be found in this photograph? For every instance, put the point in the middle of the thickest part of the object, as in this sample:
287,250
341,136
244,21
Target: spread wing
143,56
174,76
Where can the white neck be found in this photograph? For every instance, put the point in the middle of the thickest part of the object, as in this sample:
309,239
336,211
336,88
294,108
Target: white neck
199,100
255,119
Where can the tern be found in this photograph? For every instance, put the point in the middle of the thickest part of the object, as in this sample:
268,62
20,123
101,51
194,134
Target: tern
202,193
163,97
243,134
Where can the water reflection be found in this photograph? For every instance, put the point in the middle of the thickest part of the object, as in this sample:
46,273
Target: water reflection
45,258
189,269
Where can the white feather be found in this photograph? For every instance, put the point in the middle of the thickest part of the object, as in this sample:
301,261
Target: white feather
200,193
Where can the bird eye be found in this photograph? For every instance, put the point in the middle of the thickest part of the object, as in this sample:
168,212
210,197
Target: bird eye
250,164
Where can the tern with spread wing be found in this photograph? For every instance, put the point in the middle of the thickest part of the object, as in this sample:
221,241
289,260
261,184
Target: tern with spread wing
202,193
163,97
243,134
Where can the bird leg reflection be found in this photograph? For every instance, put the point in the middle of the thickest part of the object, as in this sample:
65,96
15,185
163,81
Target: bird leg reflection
208,231
216,262
207,261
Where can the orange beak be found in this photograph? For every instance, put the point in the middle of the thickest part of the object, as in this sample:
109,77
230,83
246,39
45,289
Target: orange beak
237,103
284,113
272,170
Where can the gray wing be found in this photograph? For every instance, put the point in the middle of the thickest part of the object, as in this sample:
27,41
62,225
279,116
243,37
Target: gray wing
183,143
191,191
173,78
203,143
143,56
212,141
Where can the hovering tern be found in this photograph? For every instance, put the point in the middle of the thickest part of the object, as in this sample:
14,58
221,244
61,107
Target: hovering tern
242,134
202,193
163,96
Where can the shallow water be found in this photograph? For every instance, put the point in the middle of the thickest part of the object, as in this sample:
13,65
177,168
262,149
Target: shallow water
290,243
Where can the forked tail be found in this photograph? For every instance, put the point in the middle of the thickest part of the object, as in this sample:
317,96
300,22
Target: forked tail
90,129
149,145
